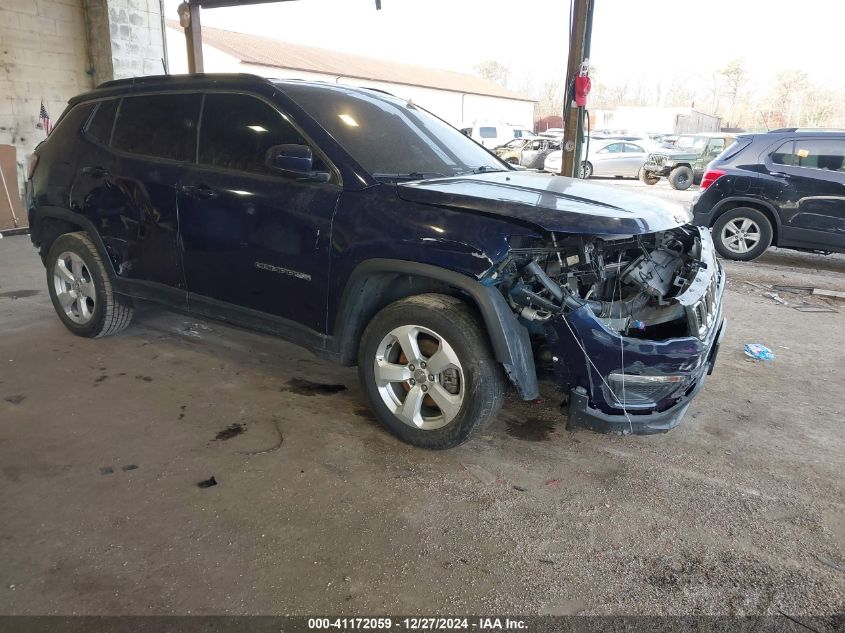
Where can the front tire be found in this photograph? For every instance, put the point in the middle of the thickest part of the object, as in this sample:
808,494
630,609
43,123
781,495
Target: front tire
428,371
742,234
681,178
81,289
648,177
586,170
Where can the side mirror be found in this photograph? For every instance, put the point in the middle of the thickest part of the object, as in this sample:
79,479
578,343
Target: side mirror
290,159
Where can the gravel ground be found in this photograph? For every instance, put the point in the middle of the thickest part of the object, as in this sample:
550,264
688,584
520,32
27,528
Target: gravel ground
740,510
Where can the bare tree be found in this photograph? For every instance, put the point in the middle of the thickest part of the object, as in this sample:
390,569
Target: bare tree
734,76
494,71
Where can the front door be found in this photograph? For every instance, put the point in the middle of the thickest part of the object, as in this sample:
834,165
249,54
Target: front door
813,206
252,237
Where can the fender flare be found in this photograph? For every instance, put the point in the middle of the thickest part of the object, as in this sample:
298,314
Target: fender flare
718,210
38,214
509,338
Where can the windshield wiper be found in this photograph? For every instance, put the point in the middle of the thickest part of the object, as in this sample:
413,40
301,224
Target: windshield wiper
484,169
414,175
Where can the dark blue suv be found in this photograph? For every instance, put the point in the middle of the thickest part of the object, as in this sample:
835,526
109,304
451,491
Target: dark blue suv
784,188
369,231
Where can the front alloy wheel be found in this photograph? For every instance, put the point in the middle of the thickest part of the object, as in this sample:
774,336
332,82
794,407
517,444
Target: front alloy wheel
419,377
427,370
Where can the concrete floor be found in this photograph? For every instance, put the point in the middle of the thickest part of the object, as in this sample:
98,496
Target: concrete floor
102,443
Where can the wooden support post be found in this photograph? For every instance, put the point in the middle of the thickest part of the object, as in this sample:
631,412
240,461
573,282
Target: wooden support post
189,18
570,163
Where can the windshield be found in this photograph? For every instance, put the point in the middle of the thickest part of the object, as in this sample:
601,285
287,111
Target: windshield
392,137
691,142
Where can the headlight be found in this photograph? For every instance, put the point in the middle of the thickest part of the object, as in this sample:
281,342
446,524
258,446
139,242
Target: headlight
644,390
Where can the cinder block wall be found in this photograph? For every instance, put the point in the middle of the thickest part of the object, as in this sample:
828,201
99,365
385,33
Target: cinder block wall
51,50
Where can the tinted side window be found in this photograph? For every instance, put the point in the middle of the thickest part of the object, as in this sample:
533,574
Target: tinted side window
161,126
783,155
487,132
630,147
237,131
826,154
101,124
616,148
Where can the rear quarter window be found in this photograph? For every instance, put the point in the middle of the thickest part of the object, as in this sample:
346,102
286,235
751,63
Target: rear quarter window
101,124
159,126
487,132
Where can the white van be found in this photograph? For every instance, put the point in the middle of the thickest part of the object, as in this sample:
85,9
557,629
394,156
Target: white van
495,134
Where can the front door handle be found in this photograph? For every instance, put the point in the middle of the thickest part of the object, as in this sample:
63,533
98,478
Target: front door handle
96,171
200,192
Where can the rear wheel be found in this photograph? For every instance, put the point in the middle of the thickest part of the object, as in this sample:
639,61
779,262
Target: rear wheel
428,371
680,178
81,290
513,161
648,177
742,234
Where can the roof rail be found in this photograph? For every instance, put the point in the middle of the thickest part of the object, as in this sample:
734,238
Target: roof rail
803,130
154,79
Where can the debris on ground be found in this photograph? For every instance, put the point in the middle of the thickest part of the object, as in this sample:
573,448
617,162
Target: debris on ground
809,307
106,470
758,351
776,298
275,447
796,290
207,483
129,467
756,285
832,294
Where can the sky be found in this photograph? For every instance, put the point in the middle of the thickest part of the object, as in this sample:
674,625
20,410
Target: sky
667,39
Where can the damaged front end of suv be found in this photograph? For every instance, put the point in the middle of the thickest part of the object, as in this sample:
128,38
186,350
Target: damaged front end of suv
629,325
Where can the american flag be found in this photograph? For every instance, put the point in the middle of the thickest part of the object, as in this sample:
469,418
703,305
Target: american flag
44,119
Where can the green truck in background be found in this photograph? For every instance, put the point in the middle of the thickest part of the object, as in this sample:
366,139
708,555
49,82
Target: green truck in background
687,161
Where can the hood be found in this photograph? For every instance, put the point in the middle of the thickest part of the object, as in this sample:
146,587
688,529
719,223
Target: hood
552,203
675,152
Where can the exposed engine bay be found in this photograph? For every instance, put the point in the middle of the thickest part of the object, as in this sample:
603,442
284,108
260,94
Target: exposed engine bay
632,284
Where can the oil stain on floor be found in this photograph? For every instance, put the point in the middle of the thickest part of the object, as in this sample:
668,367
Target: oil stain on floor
530,429
233,430
307,388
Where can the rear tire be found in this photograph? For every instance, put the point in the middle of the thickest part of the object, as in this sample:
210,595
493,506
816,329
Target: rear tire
742,234
81,289
428,406
680,178
648,177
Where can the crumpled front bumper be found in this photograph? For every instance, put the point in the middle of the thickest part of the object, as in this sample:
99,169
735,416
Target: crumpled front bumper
586,353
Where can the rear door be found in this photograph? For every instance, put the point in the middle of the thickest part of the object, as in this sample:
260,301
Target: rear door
635,156
252,237
610,160
813,198
131,184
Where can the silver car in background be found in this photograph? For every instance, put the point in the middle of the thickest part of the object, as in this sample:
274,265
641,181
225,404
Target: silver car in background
607,157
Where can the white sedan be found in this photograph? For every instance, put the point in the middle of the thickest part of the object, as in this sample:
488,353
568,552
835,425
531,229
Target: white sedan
622,159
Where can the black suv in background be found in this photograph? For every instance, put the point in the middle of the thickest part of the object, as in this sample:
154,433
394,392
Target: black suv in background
784,188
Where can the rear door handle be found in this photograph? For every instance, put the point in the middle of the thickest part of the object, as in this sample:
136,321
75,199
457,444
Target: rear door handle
199,192
96,171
